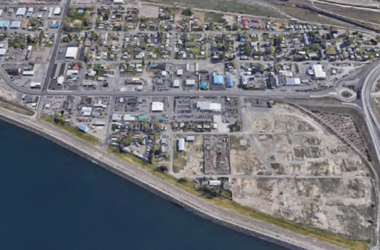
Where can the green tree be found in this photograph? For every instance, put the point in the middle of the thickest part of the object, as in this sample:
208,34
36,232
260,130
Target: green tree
128,139
41,37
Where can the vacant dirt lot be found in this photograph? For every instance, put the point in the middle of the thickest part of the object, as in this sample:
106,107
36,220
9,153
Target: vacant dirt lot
339,205
190,162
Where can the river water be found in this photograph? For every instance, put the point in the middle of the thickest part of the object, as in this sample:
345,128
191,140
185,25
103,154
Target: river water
52,199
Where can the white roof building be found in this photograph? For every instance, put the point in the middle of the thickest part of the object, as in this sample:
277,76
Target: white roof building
21,12
181,144
72,52
319,74
28,73
129,118
118,1
190,82
179,72
57,11
209,106
15,25
2,52
35,85
157,106
176,83
60,80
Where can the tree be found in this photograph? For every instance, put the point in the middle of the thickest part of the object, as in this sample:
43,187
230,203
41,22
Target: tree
261,67
127,140
187,11
86,20
41,37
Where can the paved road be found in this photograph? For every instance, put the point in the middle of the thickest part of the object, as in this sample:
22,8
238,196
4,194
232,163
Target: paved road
56,47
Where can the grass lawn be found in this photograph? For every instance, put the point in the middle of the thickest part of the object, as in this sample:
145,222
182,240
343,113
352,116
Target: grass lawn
240,209
78,16
71,130
179,161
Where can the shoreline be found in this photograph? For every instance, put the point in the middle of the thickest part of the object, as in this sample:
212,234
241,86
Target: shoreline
193,204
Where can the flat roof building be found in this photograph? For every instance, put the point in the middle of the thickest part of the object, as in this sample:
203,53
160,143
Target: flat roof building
2,52
15,25
209,106
72,52
218,80
176,83
190,82
319,74
157,106
57,11
21,12
181,144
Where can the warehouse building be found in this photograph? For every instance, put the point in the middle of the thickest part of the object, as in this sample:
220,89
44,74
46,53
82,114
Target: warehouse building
83,128
72,52
20,12
157,106
209,106
15,25
218,80
181,144
319,74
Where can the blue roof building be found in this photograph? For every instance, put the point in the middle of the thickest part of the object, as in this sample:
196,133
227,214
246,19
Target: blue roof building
203,85
229,81
218,80
96,114
83,128
53,26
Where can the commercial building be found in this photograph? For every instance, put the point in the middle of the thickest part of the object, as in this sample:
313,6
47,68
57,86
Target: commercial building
35,85
218,80
15,25
229,81
2,52
118,1
157,106
190,82
190,138
319,74
115,117
57,11
181,145
72,52
179,72
209,106
28,73
129,118
20,12
176,83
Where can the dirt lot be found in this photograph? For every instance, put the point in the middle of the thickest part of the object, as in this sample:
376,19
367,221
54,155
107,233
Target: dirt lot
149,11
244,159
340,205
190,162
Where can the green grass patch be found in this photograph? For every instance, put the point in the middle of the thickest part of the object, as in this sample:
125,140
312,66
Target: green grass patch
71,130
236,208
179,161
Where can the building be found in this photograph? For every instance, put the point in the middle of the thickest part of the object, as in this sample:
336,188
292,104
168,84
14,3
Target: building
83,128
181,145
60,80
190,82
209,106
14,71
57,11
157,106
15,25
28,73
129,118
115,118
118,1
20,12
218,80
179,72
35,85
2,52
72,52
176,83
190,138
319,74
229,81
214,183
25,24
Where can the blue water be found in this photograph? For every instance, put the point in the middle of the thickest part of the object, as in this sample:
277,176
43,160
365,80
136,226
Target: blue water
52,199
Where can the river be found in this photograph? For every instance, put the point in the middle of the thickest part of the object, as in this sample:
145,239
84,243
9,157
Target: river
51,198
